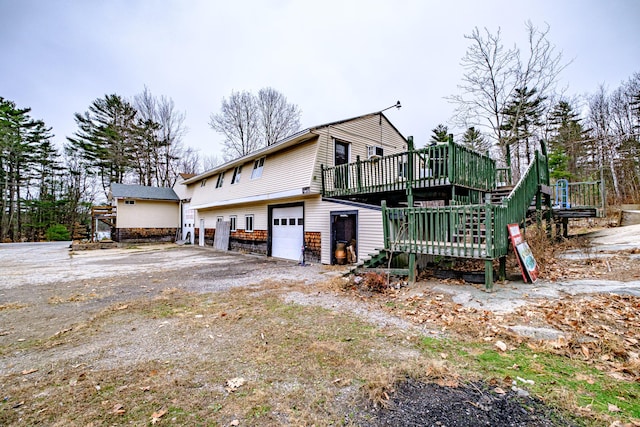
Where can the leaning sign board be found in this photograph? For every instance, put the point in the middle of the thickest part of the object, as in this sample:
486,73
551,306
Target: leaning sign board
526,261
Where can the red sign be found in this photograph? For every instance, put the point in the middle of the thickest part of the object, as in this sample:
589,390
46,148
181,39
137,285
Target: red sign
526,261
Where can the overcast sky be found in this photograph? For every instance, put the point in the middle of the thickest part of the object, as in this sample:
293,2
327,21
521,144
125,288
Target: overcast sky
335,59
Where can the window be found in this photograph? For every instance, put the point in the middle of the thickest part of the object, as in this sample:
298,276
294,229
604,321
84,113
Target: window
257,168
203,182
248,223
300,221
236,175
403,168
276,221
233,220
374,151
220,180
129,202
341,157
220,219
292,221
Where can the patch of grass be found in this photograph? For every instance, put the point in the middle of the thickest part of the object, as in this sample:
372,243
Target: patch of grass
302,365
562,382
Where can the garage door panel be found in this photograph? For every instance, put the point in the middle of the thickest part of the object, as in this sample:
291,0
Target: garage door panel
287,232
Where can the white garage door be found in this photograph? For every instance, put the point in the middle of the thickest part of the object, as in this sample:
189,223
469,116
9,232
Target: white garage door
287,232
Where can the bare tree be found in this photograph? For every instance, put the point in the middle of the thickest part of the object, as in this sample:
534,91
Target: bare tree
211,161
600,122
238,122
278,118
189,162
160,142
493,73
250,122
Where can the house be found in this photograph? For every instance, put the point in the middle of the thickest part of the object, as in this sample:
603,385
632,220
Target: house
272,198
144,214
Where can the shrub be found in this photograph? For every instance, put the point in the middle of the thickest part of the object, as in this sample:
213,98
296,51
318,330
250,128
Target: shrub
57,232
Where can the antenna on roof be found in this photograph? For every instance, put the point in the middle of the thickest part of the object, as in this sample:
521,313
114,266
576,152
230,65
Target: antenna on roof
396,105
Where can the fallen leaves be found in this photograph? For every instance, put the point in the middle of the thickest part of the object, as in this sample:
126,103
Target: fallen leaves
234,384
155,417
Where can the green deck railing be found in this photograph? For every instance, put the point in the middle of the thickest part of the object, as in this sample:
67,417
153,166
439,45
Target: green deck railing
471,231
438,165
514,207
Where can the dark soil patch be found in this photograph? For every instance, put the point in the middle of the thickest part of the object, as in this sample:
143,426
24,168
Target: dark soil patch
422,404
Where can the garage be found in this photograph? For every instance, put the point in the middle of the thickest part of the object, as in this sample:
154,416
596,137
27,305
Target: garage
287,232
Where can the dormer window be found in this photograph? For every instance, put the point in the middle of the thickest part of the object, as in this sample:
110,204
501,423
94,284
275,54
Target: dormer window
220,180
258,165
236,175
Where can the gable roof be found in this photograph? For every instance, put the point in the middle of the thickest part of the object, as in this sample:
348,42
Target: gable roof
288,141
119,191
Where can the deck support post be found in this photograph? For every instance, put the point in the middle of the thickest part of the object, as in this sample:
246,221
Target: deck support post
548,215
412,268
488,275
502,273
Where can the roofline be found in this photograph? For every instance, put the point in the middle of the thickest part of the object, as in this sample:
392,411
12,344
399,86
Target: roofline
145,198
375,113
296,137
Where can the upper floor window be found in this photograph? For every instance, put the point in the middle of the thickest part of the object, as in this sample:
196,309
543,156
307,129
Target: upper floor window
203,182
236,175
129,202
258,165
220,180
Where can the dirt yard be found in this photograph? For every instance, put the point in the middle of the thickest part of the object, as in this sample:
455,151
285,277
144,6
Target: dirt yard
179,335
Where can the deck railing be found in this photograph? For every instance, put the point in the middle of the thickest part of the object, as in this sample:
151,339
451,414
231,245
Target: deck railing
459,231
503,177
514,207
579,195
437,165
471,231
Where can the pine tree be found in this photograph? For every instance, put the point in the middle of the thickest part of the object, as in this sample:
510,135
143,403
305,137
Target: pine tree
440,134
523,116
473,139
106,138
566,150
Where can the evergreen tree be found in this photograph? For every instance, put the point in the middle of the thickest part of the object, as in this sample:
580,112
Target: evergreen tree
565,143
107,138
473,139
440,134
523,116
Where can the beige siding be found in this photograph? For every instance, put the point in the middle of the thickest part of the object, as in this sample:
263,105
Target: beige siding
148,214
183,191
360,133
258,210
318,218
286,170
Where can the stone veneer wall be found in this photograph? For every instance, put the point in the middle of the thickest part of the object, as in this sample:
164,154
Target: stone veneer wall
312,246
255,242
143,235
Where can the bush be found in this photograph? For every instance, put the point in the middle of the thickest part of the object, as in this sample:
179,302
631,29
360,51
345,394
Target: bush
57,232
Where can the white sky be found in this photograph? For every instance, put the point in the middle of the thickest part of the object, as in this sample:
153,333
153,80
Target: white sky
335,59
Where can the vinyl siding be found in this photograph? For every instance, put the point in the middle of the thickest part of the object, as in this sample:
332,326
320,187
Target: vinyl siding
147,214
258,210
286,170
360,133
318,218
